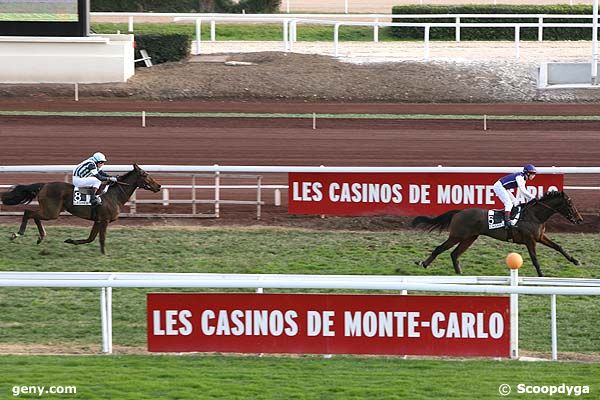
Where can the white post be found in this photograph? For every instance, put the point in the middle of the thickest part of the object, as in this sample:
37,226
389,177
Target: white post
426,55
457,33
404,292
484,122
595,44
109,315
213,30
290,41
198,34
285,35
103,320
314,121
143,119
376,31
517,40
541,29
294,33
346,6
77,92
554,331
132,205
514,316
165,197
193,194
217,192
258,197
336,35
130,23
287,6
277,199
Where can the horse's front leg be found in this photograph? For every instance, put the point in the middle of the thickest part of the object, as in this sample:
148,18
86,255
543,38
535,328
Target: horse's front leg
102,228
547,242
531,249
91,238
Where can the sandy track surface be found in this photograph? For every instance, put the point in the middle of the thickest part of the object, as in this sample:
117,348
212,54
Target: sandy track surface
293,142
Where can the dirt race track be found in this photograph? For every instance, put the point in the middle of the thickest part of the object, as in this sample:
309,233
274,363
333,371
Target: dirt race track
336,142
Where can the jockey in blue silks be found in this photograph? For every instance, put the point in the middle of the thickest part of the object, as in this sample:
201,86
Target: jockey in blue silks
88,173
512,181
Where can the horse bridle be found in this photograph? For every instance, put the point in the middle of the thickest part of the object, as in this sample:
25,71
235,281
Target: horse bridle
569,215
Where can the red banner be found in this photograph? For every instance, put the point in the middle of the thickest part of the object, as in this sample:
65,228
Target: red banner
329,324
399,193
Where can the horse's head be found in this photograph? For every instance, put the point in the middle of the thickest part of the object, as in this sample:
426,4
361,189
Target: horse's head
144,180
561,203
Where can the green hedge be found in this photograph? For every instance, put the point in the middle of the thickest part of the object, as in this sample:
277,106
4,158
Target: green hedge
163,47
224,6
493,33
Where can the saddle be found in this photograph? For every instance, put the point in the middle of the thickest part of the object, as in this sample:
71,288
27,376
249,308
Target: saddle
82,196
496,217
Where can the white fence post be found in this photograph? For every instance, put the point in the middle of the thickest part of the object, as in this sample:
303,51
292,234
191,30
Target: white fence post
198,35
130,23
277,199
104,324
426,50
258,196
554,330
285,35
336,35
217,193
514,315
457,33
517,40
109,315
165,196
541,29
213,30
376,31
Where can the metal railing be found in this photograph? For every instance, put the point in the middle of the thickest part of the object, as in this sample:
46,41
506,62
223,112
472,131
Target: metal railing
512,285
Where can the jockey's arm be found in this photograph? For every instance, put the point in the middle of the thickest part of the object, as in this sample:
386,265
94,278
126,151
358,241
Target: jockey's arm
103,176
523,189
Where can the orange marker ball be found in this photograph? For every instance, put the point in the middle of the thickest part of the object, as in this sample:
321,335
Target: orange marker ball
514,260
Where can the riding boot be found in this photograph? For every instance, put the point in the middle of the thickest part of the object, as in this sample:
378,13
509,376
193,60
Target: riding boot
95,199
507,225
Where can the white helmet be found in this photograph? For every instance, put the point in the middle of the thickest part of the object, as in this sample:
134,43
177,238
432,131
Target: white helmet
99,157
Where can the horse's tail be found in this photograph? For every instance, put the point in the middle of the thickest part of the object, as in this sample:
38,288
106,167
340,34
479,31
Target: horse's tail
21,194
440,222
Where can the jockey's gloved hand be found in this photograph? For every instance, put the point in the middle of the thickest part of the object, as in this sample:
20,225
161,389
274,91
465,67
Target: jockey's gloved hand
112,179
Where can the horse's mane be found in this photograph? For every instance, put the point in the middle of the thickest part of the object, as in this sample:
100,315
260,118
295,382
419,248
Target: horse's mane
126,175
547,196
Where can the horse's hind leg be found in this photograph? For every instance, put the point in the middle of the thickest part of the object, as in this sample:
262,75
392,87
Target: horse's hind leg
26,215
91,238
459,250
451,241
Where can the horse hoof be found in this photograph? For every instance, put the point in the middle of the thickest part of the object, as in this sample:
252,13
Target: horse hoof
70,241
421,264
40,240
576,262
13,236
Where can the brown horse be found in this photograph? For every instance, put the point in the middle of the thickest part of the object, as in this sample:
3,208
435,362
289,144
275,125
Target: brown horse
465,226
55,197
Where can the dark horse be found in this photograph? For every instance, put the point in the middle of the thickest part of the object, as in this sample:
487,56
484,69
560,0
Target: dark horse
55,197
465,226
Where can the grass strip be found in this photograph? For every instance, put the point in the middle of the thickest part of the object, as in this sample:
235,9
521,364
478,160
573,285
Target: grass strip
33,113
305,377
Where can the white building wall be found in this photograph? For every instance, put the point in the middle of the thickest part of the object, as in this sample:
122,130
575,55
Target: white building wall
93,59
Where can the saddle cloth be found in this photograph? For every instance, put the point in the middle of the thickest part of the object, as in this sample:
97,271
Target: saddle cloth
82,196
496,217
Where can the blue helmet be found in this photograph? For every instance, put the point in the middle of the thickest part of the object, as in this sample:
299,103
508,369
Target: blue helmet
529,169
